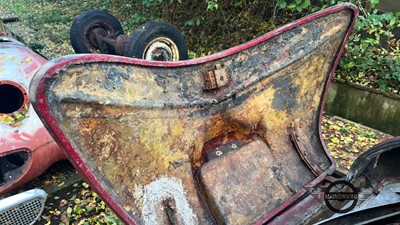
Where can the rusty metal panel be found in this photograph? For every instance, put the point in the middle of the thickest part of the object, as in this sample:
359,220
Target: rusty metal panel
141,132
238,185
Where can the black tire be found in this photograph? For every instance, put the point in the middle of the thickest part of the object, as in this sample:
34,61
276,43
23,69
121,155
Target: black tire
81,36
152,34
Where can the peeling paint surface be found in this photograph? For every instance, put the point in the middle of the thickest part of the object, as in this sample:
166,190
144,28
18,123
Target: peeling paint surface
145,132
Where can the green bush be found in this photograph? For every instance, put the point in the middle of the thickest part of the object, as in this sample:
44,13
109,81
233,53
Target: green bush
372,54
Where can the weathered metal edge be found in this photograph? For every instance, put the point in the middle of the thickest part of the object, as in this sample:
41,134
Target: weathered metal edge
38,90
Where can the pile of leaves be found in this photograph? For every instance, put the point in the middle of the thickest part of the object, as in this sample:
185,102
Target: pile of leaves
78,204
346,140
15,119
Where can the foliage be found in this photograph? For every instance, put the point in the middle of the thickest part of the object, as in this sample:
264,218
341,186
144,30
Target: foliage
372,56
294,6
374,51
212,5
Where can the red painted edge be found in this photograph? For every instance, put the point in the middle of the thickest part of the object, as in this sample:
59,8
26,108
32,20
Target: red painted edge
42,107
328,84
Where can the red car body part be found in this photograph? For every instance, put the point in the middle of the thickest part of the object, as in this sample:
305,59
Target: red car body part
26,147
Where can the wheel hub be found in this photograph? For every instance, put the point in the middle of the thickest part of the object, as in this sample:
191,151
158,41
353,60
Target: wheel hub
161,49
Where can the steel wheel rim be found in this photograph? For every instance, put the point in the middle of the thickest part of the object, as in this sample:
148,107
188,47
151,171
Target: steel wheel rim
161,49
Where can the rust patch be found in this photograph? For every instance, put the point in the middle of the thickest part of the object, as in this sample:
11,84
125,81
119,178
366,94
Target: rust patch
303,151
237,185
216,78
210,81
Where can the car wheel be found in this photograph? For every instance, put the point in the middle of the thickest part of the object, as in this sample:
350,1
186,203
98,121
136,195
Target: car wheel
156,41
88,26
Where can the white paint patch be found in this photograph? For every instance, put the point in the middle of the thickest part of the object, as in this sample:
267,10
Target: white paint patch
158,191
